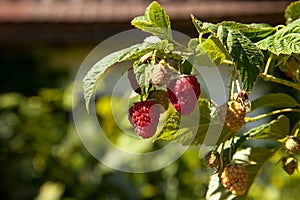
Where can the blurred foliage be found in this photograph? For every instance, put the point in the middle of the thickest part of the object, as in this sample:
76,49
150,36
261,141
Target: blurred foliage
42,157
27,69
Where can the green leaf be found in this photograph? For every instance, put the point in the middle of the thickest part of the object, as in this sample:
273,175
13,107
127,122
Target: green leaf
215,49
143,75
202,58
192,131
247,57
255,32
275,130
255,159
292,12
130,53
172,131
292,65
154,21
274,100
193,43
207,110
204,27
186,66
285,41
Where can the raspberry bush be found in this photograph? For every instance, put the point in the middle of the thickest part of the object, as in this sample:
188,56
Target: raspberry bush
164,72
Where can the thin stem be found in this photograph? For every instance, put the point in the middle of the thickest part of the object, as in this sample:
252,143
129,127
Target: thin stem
296,132
200,37
221,156
268,64
274,79
228,62
249,119
238,86
232,84
231,148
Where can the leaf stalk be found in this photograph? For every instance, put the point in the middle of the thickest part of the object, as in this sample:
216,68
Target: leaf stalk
249,119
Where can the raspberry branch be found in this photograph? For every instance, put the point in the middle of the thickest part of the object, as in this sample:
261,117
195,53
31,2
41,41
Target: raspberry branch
274,79
252,119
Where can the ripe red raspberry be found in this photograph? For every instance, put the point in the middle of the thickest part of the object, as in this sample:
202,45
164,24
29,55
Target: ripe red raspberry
161,98
232,114
289,165
183,93
144,116
292,145
234,178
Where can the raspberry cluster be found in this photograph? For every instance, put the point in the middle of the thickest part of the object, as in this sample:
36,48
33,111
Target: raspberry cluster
234,178
181,90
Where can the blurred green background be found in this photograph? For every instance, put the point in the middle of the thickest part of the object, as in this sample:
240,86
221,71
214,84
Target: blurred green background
41,155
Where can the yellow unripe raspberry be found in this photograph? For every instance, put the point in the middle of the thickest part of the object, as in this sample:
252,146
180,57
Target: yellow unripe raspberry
234,178
232,114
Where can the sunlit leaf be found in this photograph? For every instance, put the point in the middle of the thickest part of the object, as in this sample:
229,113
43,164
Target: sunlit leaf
215,49
292,12
154,21
284,41
193,131
247,57
255,32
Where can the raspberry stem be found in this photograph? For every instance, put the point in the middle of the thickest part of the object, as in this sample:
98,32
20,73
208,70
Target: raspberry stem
233,78
221,156
249,119
296,132
268,64
228,62
274,79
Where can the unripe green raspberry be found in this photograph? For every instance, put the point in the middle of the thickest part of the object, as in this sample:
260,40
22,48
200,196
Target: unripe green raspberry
232,114
292,145
161,73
